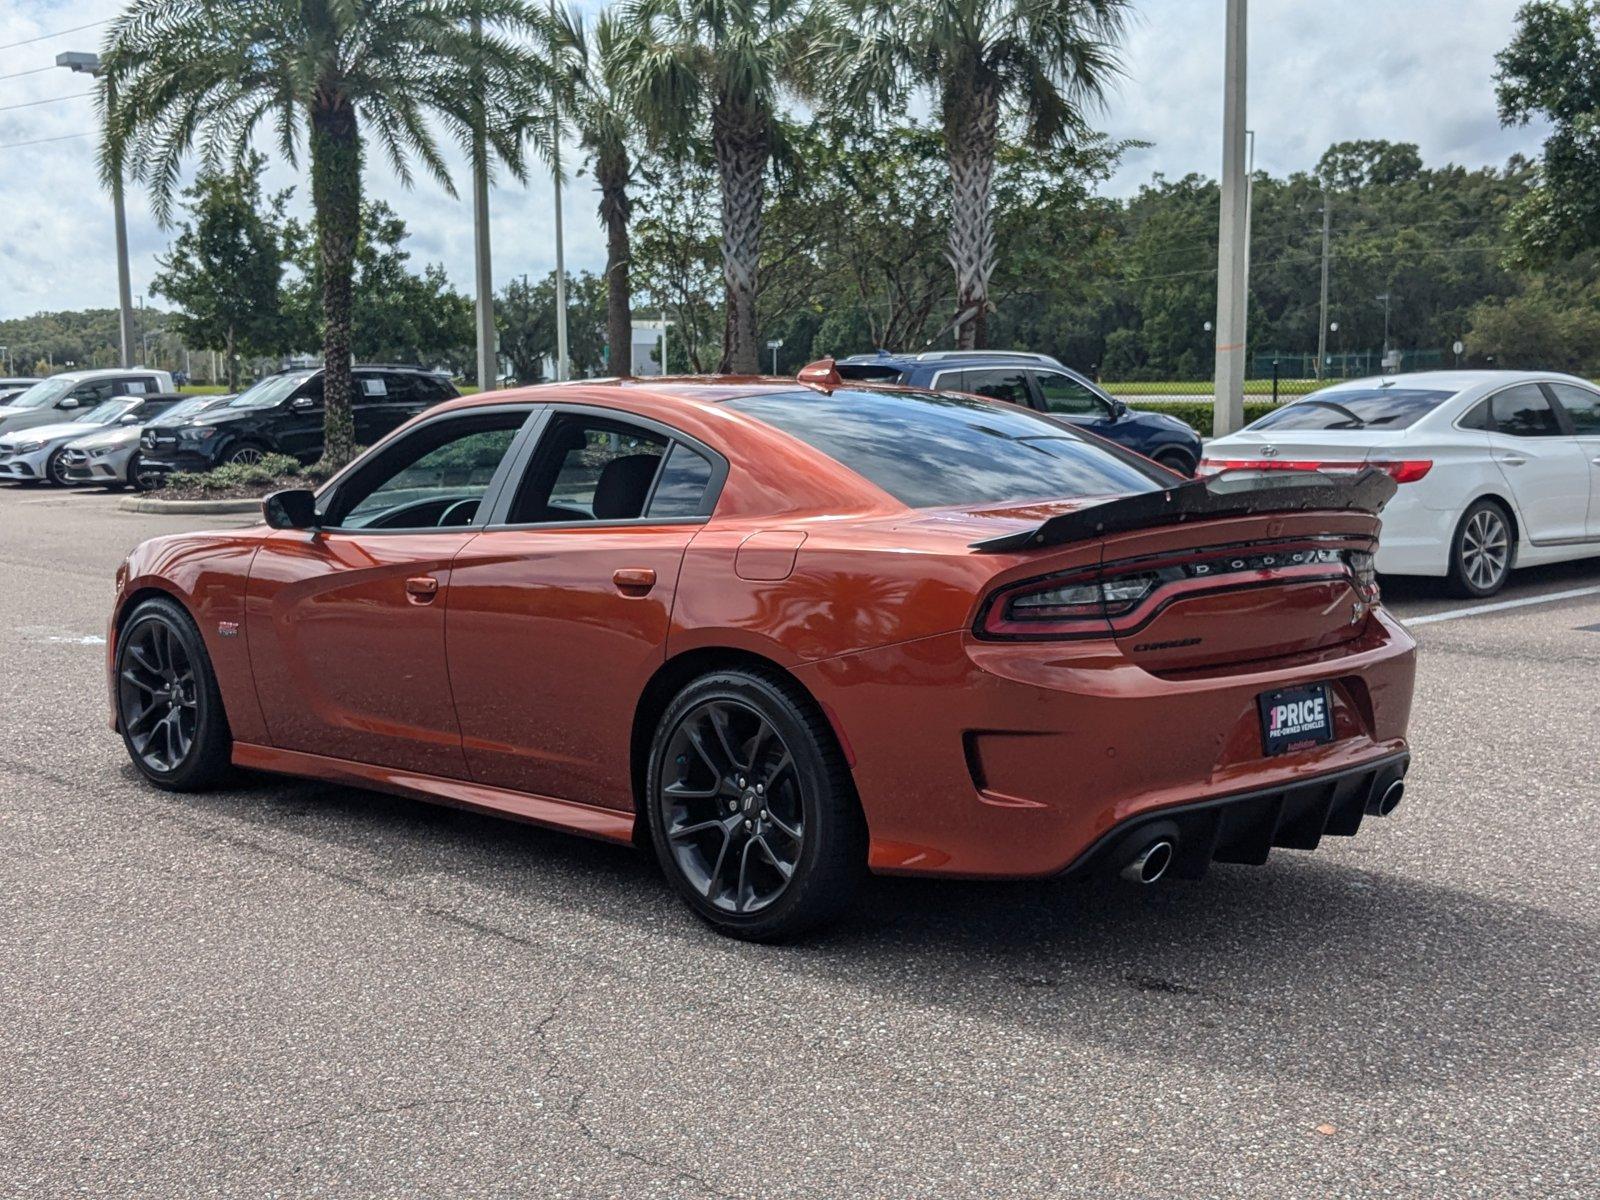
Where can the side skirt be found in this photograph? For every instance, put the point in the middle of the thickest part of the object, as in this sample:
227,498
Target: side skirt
606,824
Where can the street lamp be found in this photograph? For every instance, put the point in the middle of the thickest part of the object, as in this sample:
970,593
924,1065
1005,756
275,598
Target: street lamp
89,64
1385,300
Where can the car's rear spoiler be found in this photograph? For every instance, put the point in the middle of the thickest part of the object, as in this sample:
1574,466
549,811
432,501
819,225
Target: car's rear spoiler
1230,494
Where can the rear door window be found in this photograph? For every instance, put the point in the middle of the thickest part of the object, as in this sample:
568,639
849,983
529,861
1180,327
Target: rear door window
1582,405
681,487
1010,384
588,469
1524,411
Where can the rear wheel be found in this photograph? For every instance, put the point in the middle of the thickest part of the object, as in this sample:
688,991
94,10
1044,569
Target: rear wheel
1482,551
751,807
140,478
168,707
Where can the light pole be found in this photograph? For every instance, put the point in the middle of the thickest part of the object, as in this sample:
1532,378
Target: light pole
488,366
1233,232
775,345
561,261
89,64
1385,300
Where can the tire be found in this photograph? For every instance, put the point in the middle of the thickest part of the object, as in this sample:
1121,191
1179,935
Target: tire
158,649
1176,460
243,454
138,484
773,790
54,473
1477,569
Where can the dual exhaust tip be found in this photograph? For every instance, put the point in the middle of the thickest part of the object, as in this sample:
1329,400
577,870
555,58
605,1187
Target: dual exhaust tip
1153,856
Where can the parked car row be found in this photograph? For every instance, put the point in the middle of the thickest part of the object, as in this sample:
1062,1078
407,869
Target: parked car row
129,428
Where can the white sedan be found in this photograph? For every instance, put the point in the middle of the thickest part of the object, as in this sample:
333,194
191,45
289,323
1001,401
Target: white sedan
1497,469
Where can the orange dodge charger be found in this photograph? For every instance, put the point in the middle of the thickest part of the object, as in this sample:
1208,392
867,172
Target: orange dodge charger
787,633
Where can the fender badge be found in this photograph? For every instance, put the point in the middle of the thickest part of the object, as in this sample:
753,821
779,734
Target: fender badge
227,629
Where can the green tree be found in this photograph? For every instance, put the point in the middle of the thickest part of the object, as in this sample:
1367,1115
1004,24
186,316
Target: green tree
525,317
592,98
225,266
676,253
396,314
989,64
1551,69
717,70
333,72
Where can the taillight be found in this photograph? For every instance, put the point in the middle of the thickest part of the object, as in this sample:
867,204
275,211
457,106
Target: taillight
1407,471
1064,606
1106,603
1404,471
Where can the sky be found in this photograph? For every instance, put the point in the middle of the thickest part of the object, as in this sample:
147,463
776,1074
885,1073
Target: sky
1413,70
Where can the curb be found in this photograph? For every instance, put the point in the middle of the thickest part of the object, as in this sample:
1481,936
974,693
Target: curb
148,504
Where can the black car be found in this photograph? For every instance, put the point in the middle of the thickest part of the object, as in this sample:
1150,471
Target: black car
1039,382
283,415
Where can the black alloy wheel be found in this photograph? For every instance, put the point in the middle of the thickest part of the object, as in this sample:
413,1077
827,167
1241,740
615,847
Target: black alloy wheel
168,707
751,806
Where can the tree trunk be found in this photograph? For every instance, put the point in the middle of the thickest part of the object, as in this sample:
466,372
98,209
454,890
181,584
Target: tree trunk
612,169
336,196
971,127
740,136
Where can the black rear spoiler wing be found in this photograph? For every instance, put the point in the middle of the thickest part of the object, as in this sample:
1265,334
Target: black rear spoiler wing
1230,494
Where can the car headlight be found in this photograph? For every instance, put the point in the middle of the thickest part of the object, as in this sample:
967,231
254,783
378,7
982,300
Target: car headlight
27,447
199,433
100,452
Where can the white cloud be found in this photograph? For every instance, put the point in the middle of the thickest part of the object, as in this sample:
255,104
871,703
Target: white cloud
1413,71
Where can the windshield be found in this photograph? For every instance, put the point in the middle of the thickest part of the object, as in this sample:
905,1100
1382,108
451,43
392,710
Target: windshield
1355,408
185,409
270,392
104,414
42,395
929,450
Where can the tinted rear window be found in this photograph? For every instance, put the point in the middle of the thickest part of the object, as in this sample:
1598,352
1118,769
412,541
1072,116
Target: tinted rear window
873,372
1389,408
929,450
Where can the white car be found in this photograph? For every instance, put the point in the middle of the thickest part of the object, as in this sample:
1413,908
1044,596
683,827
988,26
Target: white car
62,397
1497,469
37,454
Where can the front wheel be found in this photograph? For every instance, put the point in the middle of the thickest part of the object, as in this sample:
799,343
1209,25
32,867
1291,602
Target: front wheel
1177,461
55,469
1481,553
168,707
751,807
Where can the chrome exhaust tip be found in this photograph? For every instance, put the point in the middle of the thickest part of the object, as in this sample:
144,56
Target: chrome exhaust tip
1384,800
1151,863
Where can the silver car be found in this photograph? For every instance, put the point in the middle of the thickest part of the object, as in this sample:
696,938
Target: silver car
34,454
63,397
110,457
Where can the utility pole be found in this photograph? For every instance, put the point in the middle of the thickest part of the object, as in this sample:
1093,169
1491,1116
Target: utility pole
1249,235
89,64
1232,265
561,261
488,364
1322,322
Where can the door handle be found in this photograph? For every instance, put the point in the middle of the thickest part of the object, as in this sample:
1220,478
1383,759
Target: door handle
422,589
1595,461
1514,460
634,581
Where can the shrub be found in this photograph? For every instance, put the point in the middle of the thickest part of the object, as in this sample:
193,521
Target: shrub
1198,413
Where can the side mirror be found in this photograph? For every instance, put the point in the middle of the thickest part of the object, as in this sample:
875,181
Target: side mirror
131,419
302,404
1118,410
292,508
67,403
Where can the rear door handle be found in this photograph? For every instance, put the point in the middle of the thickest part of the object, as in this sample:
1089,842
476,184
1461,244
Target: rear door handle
1514,460
634,581
422,589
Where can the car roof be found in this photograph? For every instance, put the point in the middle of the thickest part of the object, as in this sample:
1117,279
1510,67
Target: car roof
1453,381
951,359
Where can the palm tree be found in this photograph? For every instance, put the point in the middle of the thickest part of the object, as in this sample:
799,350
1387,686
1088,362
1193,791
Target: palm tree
987,62
184,72
690,67
592,99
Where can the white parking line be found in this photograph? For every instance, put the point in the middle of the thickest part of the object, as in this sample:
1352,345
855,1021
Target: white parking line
1502,606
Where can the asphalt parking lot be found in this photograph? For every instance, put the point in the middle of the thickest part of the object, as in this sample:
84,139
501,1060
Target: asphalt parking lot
297,989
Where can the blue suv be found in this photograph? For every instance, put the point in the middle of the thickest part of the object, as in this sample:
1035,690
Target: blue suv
1039,382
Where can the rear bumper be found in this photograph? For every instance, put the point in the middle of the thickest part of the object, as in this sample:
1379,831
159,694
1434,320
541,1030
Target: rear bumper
994,760
1246,827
